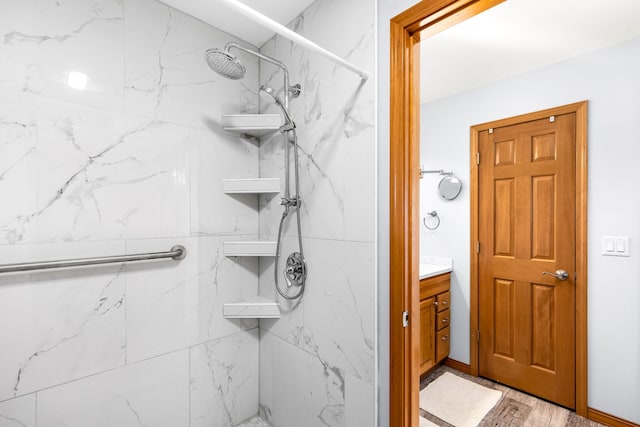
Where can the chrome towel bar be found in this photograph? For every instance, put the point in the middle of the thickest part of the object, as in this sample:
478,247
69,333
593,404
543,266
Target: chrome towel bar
177,252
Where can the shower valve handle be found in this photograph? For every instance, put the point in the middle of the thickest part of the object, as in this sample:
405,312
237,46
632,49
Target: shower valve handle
291,201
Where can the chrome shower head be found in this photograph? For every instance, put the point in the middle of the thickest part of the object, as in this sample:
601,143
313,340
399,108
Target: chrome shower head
225,64
269,91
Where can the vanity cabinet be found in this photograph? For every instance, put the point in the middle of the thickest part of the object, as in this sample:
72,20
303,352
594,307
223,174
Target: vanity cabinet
434,320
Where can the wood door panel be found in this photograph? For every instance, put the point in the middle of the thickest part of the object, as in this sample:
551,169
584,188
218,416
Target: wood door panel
504,154
526,223
504,190
524,270
543,147
514,171
504,314
543,328
542,213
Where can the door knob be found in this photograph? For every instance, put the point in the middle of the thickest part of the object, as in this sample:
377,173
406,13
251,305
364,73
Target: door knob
559,274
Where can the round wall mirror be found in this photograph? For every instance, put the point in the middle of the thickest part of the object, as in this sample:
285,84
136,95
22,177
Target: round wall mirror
449,187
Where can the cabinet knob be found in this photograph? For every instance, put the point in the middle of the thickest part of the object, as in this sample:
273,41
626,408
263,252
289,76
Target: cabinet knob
435,303
446,337
445,302
445,320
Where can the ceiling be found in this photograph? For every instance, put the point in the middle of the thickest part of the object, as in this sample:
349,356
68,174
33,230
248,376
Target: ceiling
518,36
216,13
510,39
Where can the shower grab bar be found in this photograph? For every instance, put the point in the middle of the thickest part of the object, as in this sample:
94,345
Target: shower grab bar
177,252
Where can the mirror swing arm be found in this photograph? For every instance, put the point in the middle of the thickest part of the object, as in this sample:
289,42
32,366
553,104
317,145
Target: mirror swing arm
449,186
438,171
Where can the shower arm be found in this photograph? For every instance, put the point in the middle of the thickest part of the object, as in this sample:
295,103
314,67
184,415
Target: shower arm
287,91
285,72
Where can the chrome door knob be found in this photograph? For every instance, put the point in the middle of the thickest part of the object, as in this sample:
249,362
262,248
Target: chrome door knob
559,274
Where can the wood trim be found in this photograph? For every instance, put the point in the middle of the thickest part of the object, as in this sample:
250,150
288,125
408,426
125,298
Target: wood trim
610,420
452,15
582,321
576,107
458,366
474,257
580,109
404,158
403,247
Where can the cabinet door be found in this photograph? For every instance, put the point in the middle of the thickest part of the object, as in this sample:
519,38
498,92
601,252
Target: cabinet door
442,344
442,319
442,301
427,334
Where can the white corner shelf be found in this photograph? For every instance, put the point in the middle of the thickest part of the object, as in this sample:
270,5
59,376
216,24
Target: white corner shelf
256,125
251,185
255,307
249,248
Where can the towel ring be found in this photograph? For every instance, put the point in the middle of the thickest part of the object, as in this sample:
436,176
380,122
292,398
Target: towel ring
433,215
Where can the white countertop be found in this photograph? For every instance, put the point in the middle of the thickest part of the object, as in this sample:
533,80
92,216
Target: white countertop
432,266
430,270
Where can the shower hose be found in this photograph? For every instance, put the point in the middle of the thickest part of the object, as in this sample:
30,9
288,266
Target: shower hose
282,293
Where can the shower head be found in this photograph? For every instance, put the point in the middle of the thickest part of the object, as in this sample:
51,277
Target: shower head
269,91
225,64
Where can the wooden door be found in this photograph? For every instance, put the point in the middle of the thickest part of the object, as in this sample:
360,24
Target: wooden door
526,219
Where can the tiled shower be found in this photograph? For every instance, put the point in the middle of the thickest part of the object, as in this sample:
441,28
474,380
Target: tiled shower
134,163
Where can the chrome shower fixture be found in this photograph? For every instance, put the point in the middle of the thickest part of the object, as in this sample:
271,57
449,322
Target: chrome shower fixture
225,64
269,91
296,271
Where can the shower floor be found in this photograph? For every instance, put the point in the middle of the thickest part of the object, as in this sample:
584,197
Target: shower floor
254,422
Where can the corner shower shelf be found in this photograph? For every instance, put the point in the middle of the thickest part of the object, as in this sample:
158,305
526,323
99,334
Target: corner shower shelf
250,248
255,307
251,185
255,125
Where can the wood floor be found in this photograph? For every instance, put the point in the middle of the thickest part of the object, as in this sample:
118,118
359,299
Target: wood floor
514,409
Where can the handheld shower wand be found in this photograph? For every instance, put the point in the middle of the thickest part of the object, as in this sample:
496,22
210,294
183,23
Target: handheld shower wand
269,91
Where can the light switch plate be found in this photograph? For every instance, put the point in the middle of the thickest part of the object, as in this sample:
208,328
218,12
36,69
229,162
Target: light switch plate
615,245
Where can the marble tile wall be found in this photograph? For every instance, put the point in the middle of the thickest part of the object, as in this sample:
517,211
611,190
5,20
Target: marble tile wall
317,362
133,163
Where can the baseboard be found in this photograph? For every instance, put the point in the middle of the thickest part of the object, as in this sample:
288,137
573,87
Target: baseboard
610,420
458,366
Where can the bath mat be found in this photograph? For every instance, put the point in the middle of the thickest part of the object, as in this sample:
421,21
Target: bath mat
426,423
457,401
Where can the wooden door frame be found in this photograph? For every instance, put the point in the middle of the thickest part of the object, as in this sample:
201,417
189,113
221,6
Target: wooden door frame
580,110
425,18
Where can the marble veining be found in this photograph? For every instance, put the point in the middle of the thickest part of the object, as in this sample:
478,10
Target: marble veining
81,192
103,305
132,163
68,341
328,337
18,37
18,412
135,163
224,380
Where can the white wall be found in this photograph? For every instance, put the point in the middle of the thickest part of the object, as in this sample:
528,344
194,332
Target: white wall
318,359
609,80
132,164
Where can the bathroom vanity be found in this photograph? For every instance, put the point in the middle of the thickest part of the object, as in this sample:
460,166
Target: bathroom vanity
434,316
